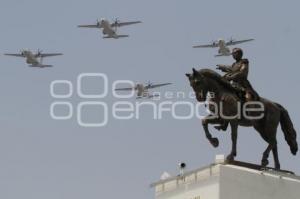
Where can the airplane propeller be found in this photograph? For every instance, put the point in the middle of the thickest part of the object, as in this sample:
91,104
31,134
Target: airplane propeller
39,52
231,40
116,23
149,84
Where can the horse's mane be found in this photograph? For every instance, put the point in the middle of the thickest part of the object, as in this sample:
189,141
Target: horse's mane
216,76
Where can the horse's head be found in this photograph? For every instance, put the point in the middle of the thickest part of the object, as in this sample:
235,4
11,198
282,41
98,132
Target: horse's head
199,84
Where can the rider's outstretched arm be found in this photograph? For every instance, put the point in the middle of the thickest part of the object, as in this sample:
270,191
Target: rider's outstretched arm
224,68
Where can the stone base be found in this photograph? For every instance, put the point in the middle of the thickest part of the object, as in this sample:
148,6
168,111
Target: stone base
237,180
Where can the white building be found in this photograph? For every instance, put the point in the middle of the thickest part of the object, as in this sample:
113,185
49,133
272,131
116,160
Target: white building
227,181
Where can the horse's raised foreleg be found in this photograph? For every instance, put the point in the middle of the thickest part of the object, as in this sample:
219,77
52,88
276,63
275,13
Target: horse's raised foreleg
210,120
234,129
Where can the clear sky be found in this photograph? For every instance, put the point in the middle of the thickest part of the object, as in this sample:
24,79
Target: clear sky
45,158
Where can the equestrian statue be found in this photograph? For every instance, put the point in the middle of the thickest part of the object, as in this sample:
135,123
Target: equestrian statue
233,102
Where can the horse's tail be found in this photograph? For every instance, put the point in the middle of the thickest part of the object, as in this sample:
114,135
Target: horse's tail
288,129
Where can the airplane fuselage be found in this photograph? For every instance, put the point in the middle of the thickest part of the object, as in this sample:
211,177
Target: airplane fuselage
141,90
107,29
223,49
31,58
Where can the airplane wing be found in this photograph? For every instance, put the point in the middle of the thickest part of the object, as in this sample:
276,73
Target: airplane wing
156,85
16,55
125,89
48,54
88,26
119,24
221,55
213,45
232,42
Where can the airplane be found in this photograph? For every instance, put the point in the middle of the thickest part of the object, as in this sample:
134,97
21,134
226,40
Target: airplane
34,59
110,29
142,90
224,50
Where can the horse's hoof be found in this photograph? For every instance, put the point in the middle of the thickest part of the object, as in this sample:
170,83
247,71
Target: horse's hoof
264,162
220,128
277,166
230,158
214,142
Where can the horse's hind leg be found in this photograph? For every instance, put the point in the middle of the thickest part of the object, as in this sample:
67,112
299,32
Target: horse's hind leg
275,155
268,130
272,144
265,161
234,129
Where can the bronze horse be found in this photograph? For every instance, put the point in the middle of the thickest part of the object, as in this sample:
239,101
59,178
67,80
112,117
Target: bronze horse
207,81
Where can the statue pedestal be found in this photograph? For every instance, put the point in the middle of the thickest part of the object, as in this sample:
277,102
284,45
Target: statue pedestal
229,181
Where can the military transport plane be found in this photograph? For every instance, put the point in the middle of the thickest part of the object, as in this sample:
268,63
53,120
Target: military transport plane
142,90
34,59
224,50
110,29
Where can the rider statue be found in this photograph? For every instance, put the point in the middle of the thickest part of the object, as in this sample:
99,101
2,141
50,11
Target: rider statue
237,75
